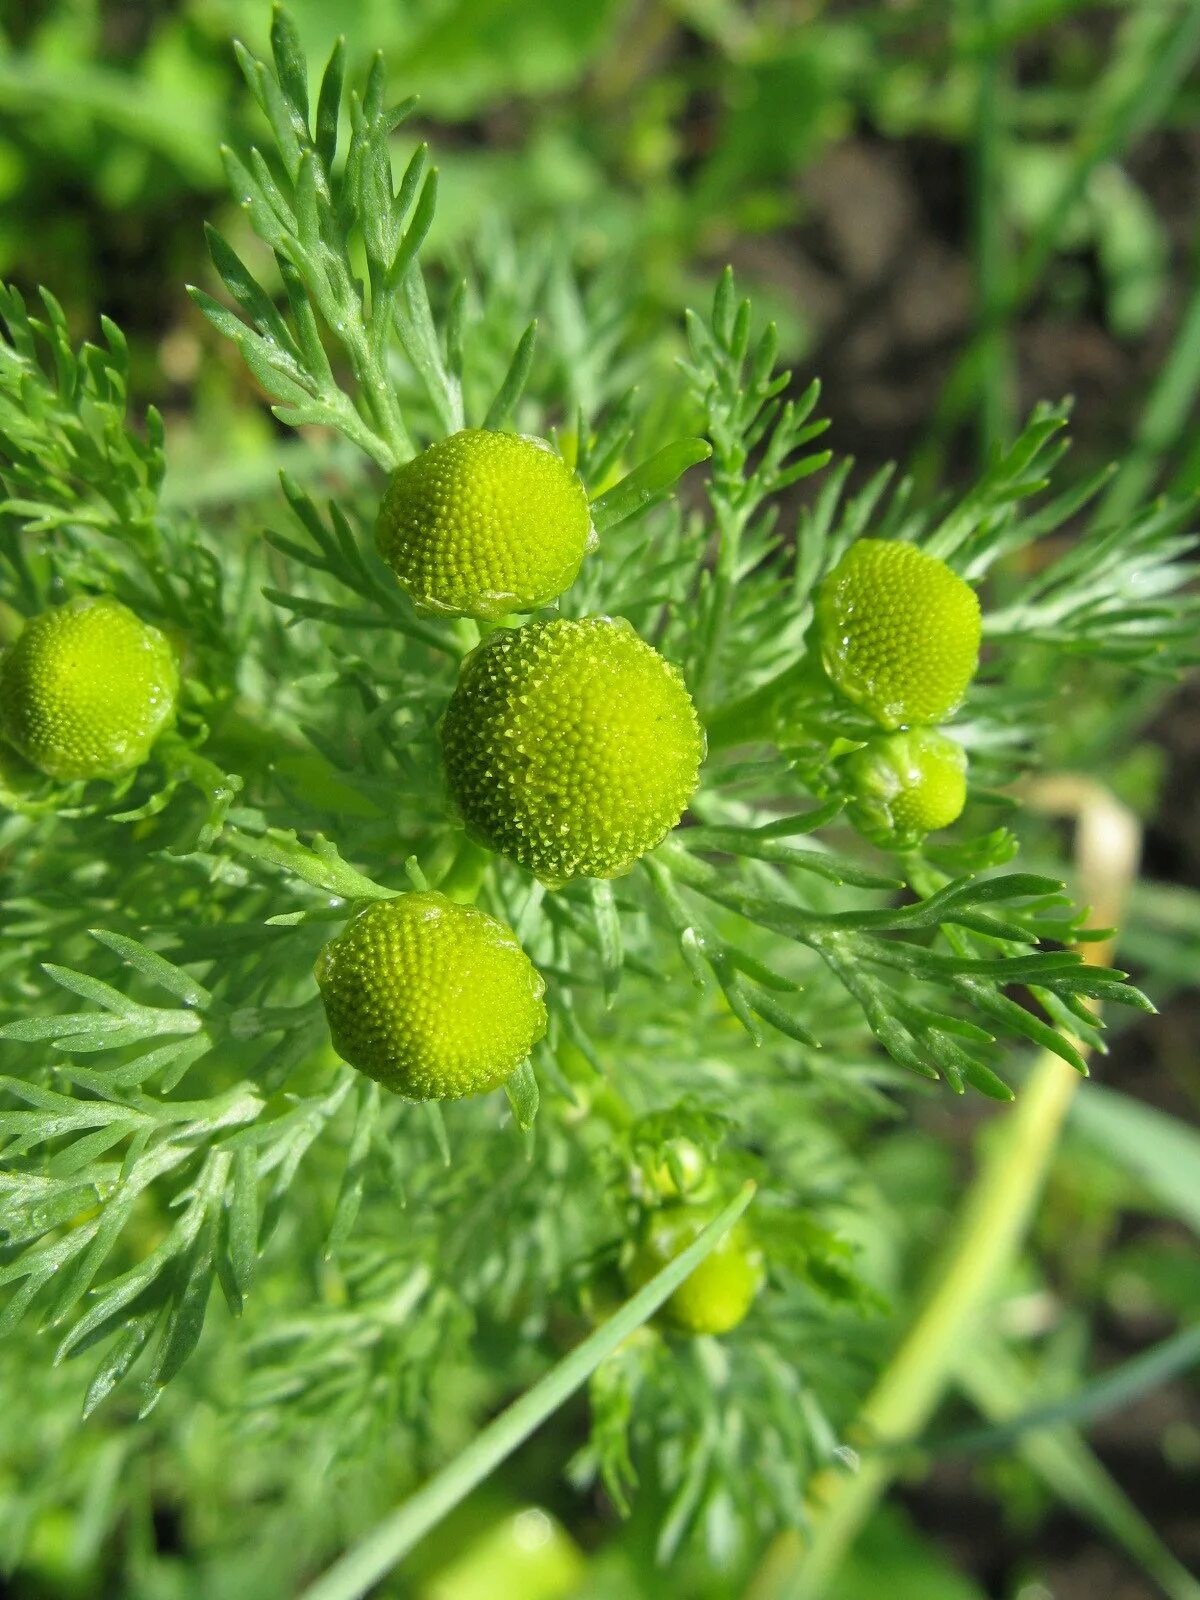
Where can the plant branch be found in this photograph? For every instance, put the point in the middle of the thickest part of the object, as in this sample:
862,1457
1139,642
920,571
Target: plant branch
992,1224
751,717
391,1541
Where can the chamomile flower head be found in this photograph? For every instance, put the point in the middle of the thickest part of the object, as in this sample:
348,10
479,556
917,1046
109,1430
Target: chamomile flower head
572,747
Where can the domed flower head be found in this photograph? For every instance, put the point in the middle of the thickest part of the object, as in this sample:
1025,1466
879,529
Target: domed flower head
571,747
485,523
898,632
432,999
86,689
716,1296
905,785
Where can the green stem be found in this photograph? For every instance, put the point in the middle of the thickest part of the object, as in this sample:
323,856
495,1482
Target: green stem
991,1225
726,490
1185,481
993,1222
376,392
753,717
467,635
722,599
363,1567
465,876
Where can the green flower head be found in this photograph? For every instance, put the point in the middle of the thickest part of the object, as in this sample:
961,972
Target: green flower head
485,523
898,632
905,785
432,999
716,1296
571,747
86,689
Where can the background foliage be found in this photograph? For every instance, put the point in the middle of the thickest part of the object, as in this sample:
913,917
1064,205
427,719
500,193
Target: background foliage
952,213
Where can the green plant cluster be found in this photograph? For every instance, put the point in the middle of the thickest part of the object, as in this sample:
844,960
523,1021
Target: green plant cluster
233,1226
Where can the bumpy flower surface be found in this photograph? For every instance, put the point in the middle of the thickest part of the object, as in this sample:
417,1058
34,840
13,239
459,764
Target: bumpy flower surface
571,747
432,999
718,1294
898,632
485,523
86,689
905,785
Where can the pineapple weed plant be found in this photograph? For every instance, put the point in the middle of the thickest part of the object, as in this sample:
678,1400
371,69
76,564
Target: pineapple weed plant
513,765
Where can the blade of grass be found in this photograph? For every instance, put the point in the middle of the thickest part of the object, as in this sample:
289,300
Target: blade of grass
1156,52
355,1573
996,1383
1164,418
1110,1392
991,245
1162,1151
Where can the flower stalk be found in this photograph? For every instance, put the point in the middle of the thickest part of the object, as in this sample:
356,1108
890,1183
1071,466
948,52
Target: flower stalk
992,1224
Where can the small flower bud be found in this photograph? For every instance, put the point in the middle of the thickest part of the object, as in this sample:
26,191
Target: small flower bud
905,785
